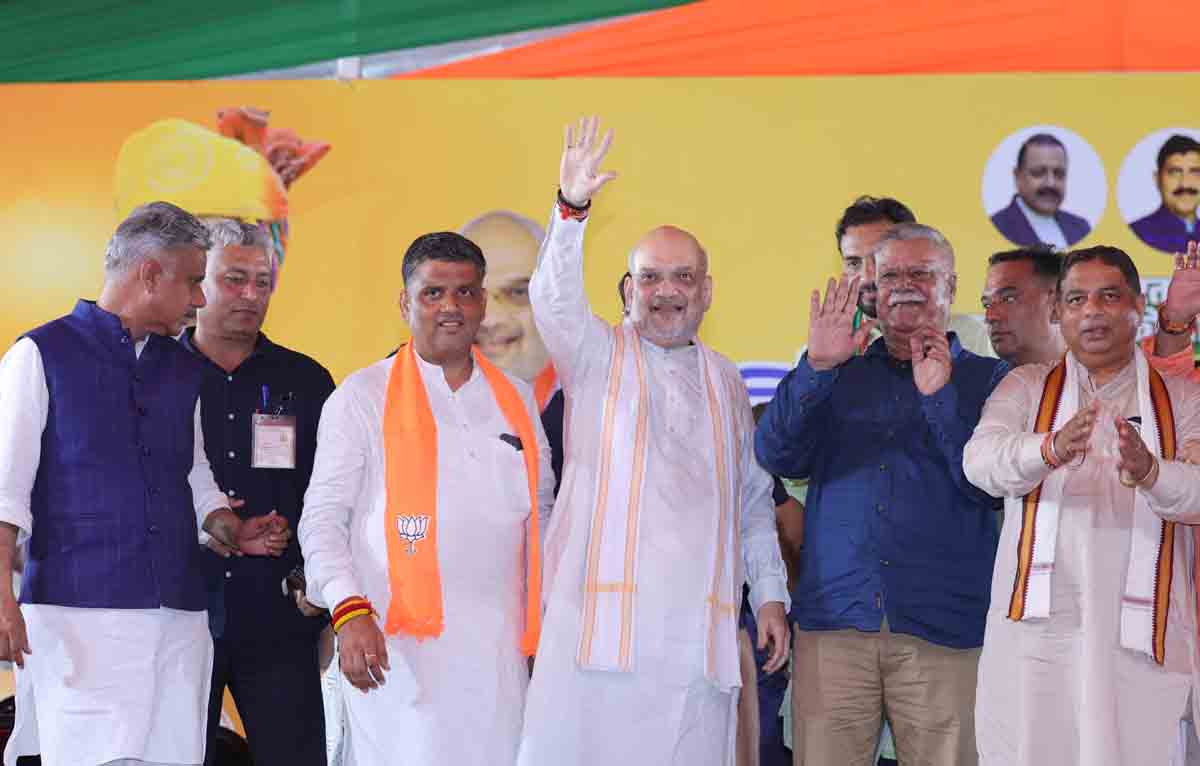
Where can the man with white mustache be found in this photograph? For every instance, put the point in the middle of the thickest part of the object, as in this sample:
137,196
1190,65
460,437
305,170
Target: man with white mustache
891,601
857,234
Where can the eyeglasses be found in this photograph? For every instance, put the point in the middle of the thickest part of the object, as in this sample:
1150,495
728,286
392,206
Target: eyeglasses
917,275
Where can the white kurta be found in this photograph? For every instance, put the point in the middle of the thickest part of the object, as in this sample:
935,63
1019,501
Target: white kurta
458,698
1062,690
664,712
101,684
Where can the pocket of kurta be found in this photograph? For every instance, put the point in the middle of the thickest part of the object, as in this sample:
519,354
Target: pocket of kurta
510,477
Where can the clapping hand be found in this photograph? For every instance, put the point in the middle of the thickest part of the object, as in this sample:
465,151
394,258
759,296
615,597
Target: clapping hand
1071,440
1136,461
931,360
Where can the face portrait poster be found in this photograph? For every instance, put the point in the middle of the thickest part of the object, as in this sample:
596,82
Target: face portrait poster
758,169
1044,184
1158,188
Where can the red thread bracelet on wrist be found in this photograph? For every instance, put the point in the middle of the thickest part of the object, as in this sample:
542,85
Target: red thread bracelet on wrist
567,209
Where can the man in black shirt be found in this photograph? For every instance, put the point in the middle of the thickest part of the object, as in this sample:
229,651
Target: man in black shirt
261,406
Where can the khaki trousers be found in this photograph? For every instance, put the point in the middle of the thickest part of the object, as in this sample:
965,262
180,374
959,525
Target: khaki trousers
845,681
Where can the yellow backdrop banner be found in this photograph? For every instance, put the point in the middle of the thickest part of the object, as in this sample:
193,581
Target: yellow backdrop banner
758,169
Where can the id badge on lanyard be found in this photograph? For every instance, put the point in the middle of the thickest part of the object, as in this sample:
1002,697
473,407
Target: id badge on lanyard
273,441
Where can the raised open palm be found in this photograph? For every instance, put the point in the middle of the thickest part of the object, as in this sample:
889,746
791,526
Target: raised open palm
831,335
1183,294
579,175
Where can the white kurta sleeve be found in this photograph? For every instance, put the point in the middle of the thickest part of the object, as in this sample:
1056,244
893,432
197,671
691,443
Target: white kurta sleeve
1175,495
1004,457
206,495
339,471
559,300
24,408
765,570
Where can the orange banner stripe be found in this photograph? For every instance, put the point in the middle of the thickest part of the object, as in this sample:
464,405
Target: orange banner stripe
733,38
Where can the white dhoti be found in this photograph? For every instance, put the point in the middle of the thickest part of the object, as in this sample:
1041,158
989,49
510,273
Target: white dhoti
457,703
106,685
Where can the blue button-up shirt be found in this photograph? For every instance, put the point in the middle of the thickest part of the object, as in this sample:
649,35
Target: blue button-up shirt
892,527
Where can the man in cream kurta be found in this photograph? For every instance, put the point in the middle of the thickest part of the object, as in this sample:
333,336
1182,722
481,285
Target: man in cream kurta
666,708
456,698
1067,688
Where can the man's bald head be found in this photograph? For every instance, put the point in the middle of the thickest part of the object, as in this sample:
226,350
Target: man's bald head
673,239
503,229
670,288
507,336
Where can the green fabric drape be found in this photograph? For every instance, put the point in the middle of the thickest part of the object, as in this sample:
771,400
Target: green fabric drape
83,40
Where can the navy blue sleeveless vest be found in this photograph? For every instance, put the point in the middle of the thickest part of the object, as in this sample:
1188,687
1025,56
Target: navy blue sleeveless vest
114,524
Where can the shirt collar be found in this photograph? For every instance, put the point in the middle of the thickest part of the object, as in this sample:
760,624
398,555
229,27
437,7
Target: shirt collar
1188,227
107,325
1030,213
262,345
434,373
879,347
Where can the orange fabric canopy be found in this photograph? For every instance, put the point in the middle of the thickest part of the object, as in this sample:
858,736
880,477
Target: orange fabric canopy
730,38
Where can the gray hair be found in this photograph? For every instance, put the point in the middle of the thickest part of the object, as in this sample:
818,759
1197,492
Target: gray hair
906,232
149,230
227,232
528,224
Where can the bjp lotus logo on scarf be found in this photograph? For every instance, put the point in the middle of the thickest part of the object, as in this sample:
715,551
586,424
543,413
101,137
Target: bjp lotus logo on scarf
413,530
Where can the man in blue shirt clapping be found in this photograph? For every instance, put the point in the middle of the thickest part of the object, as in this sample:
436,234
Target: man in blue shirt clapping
895,578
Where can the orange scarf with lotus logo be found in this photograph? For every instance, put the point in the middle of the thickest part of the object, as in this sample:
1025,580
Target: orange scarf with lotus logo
410,453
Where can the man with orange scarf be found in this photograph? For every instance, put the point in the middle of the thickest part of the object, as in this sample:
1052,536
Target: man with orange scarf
421,530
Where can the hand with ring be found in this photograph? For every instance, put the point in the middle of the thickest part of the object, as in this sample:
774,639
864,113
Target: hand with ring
363,653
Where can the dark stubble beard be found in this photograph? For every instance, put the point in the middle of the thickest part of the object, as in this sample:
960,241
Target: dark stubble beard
868,311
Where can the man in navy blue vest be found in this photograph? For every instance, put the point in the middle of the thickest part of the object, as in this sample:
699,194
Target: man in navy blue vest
104,480
265,650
